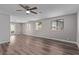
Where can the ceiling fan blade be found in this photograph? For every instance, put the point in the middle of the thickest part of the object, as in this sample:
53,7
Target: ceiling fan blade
18,10
33,8
22,6
27,7
33,12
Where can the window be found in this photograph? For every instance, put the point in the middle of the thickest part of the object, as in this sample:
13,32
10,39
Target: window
12,28
38,25
58,24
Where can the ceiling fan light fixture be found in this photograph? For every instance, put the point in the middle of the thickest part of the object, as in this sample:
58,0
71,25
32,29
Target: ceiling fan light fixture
27,12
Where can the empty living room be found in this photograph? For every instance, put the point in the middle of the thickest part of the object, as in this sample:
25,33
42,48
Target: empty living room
39,29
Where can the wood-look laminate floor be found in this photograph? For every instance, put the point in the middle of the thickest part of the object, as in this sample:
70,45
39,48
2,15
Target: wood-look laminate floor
29,45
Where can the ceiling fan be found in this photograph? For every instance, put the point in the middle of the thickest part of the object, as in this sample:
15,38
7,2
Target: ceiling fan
28,9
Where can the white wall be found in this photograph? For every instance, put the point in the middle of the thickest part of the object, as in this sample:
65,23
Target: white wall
4,28
69,33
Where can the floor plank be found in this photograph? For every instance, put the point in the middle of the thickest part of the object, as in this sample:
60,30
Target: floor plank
29,45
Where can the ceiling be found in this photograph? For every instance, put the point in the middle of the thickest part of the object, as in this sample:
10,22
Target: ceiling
46,11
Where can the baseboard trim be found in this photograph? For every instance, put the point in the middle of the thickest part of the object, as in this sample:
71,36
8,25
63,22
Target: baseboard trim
78,44
64,40
4,42
55,39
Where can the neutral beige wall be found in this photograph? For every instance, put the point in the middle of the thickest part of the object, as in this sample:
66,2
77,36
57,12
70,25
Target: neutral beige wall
4,28
18,28
69,33
78,28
